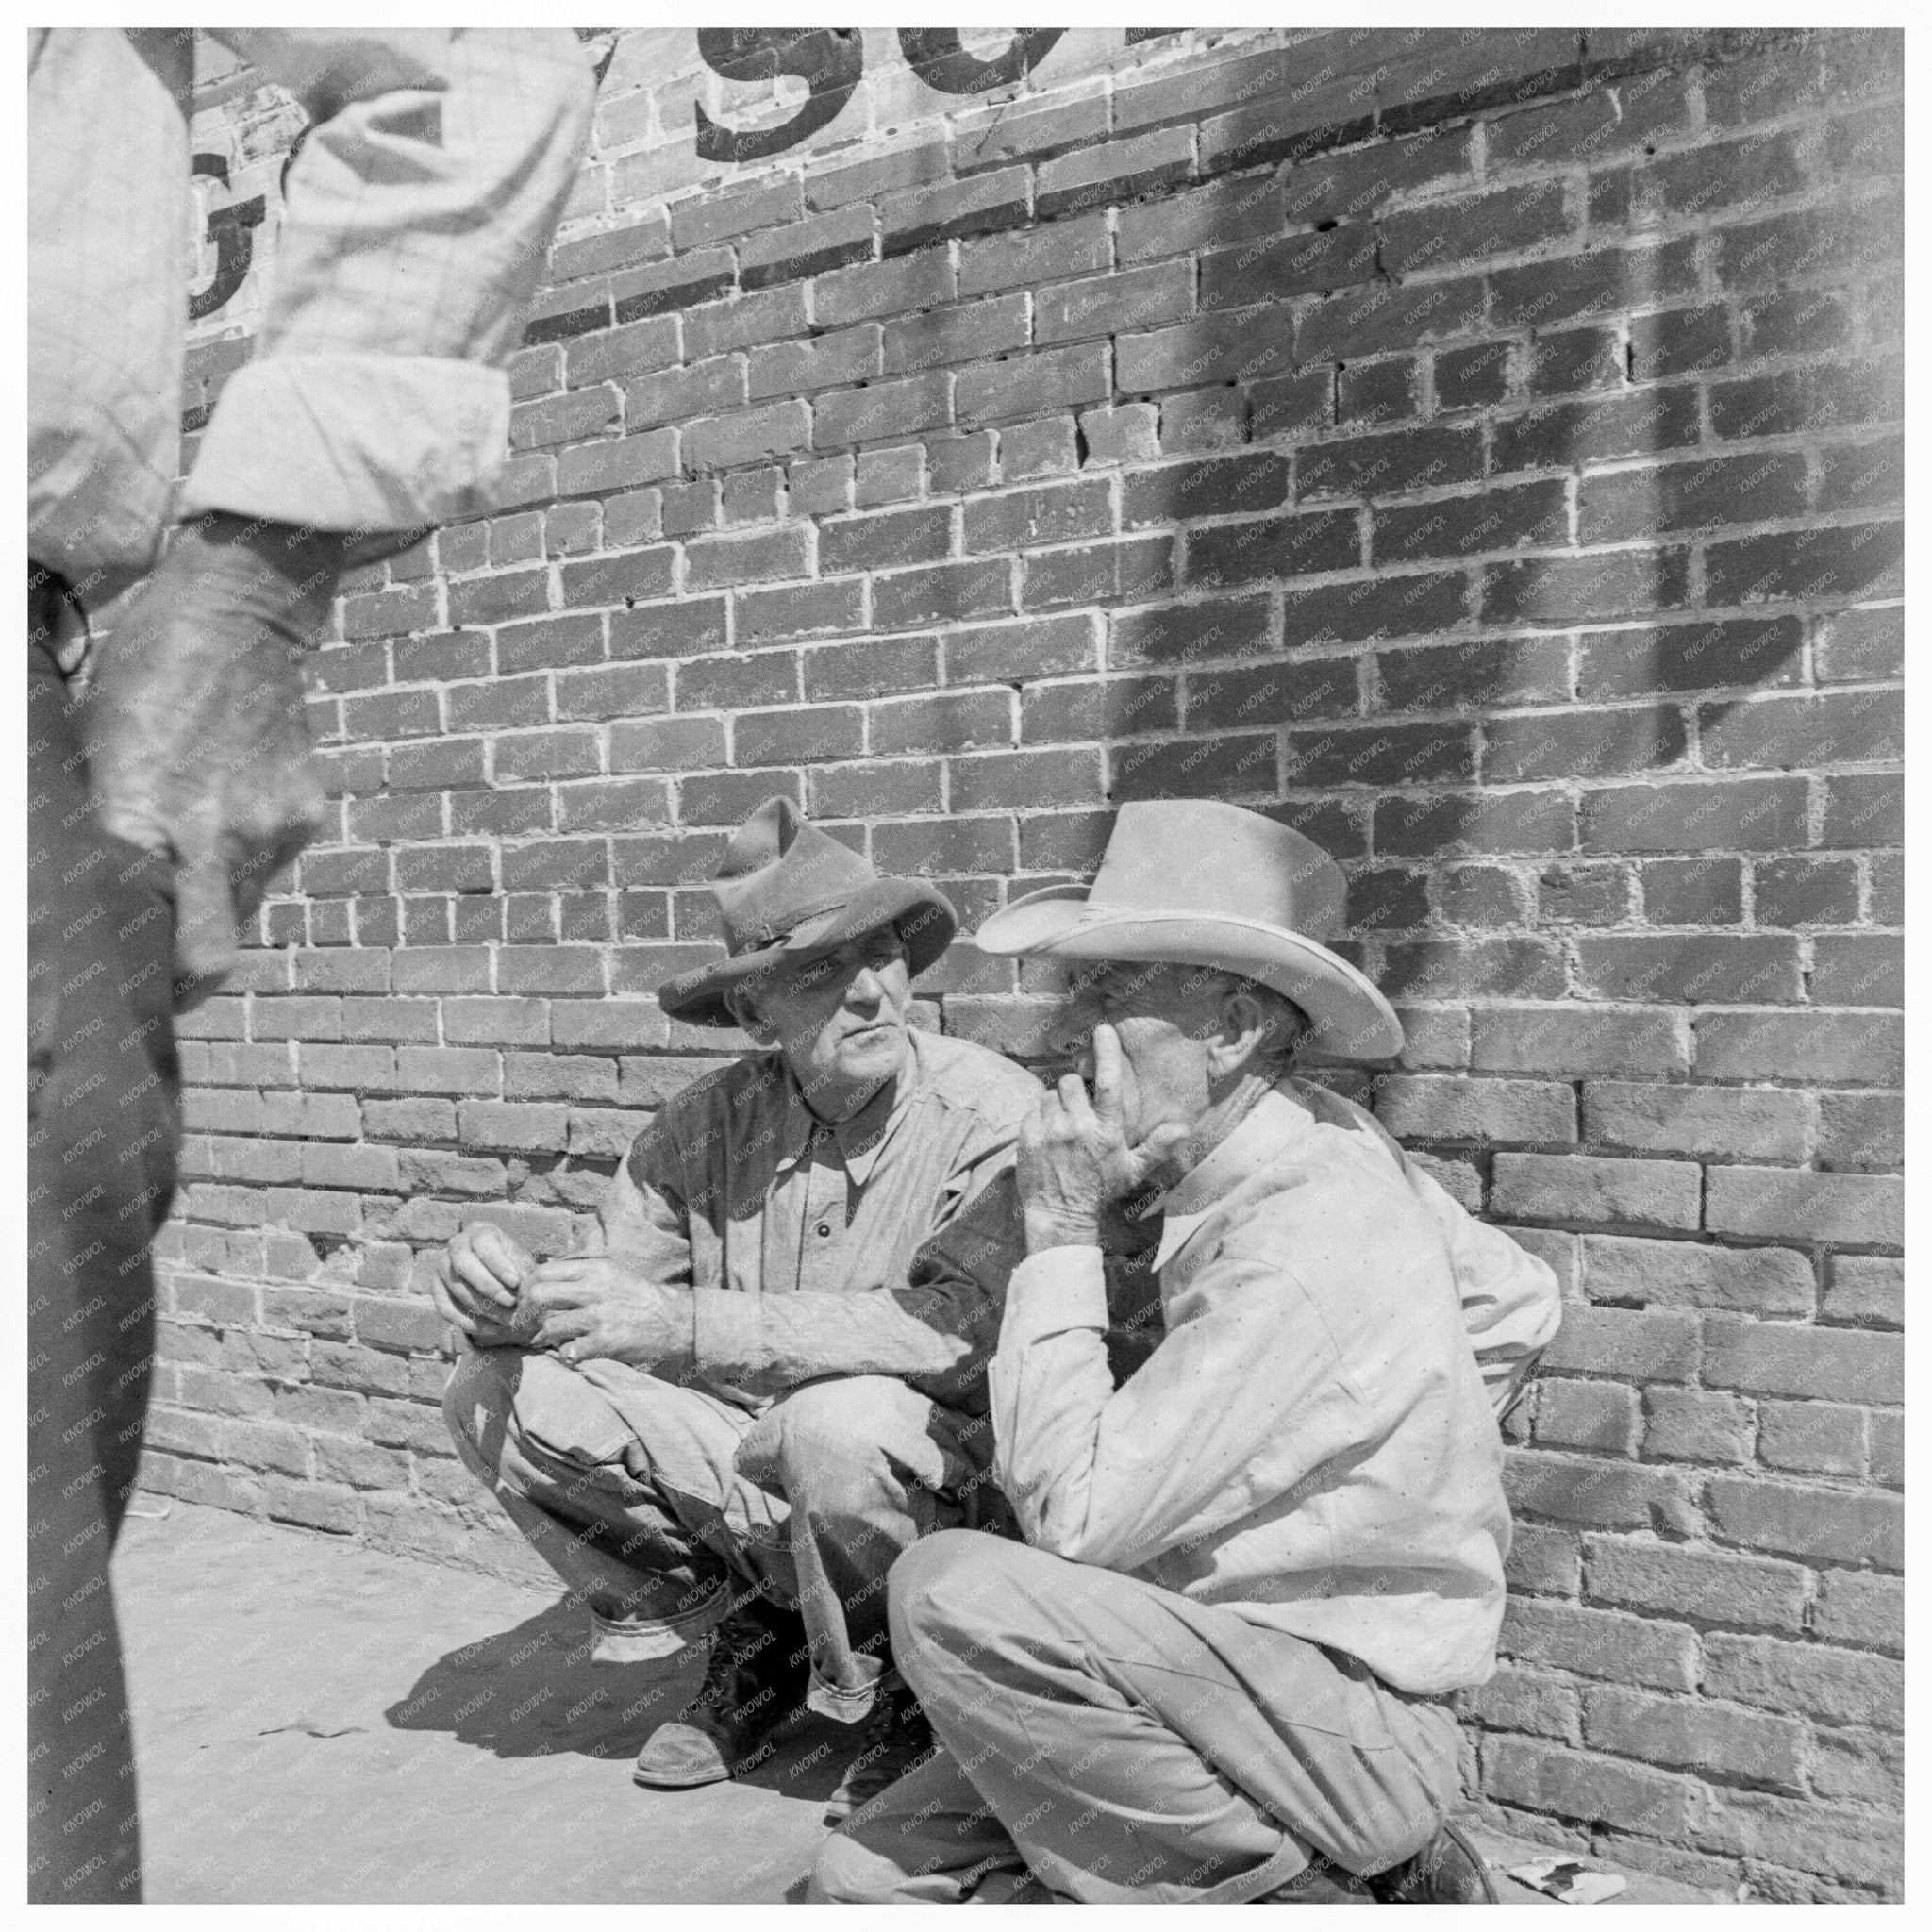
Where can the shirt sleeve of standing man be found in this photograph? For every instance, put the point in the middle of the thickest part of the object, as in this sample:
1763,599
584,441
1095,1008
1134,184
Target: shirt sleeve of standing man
419,210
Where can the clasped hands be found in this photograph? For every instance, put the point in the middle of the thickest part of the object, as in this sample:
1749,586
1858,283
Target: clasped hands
1074,1159
584,1307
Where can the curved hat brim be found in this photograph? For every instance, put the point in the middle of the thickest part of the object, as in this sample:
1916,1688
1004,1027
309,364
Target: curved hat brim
923,914
1350,1017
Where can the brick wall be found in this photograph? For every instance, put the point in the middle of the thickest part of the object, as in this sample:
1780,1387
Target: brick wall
1481,450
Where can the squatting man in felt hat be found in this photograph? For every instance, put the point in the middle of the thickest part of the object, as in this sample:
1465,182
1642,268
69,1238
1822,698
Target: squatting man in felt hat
1253,1571
749,1397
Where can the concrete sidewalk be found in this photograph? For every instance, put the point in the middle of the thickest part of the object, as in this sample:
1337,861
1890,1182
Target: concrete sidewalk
317,1722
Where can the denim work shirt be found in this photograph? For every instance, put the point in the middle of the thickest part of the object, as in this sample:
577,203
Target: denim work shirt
418,214
798,1240
1312,1444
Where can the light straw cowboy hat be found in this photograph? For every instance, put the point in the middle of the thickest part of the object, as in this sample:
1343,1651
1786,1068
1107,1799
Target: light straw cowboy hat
789,893
1194,882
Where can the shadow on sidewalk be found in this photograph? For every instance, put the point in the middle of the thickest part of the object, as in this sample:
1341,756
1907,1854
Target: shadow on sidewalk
532,1691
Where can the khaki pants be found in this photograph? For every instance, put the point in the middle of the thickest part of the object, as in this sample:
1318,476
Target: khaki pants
659,1504
1125,1743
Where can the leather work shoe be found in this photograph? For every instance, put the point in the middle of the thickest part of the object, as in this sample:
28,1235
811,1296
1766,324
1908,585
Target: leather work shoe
1448,1871
897,1739
754,1684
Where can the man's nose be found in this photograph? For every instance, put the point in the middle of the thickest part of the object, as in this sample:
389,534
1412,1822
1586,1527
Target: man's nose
867,988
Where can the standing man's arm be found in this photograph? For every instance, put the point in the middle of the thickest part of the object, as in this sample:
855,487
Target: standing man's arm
419,210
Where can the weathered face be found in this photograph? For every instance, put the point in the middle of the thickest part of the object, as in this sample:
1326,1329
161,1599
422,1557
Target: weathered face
841,1021
1166,1018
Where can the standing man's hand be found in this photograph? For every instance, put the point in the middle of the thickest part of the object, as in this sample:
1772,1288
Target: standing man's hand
1074,1158
475,1285
197,742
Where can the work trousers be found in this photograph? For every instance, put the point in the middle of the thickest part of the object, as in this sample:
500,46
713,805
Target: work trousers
659,1504
102,1121
1122,1743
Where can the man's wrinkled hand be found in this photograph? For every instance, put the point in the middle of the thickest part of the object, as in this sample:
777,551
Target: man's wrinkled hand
196,735
475,1285
1074,1158
590,1307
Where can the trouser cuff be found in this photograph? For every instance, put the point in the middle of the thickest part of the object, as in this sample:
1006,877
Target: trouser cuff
846,1704
648,1640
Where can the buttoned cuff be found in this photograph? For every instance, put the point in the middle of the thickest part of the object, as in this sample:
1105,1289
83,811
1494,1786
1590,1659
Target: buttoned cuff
1054,1290
354,441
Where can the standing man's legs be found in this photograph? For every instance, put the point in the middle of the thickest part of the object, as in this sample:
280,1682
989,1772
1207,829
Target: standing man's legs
1133,1745
103,1085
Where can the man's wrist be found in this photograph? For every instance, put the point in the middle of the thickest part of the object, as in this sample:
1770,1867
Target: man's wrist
1046,1228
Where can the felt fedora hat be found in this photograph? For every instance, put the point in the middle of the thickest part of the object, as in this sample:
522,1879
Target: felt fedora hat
788,893
1194,882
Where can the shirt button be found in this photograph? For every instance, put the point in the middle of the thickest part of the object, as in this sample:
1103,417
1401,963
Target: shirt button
825,1228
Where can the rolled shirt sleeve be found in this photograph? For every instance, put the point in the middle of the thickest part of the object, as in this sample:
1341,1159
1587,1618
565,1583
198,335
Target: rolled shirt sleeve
418,215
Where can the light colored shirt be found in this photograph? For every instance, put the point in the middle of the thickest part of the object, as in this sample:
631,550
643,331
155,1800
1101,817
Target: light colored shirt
418,213
799,1239
1312,1444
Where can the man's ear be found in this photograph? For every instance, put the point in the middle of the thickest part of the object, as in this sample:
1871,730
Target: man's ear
1245,1024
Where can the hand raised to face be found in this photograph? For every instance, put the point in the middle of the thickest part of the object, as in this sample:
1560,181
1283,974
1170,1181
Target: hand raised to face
1074,1156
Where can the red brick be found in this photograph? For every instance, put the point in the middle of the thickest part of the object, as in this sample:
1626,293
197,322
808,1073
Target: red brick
1387,316
800,736
1128,570
595,469
1519,1112
711,561
1861,561
1054,513
917,217
883,409
1008,653
1812,1438
1025,780
1703,969
1839,1686
1032,385
1267,694
1690,815
1264,547
683,629
1856,1607
1131,301
1586,1415
1595,1790
1841,1364
1234,345
1647,1346
1690,1426
1593,1491
1273,267
1800,1046
1768,1281
1686,1735
1203,767
941,592
1601,1643
1850,1208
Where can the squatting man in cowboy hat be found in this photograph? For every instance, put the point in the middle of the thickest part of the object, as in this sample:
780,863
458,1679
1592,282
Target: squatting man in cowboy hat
746,1397
1255,1569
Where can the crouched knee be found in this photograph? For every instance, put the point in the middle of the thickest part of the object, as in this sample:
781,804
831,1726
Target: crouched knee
848,1873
